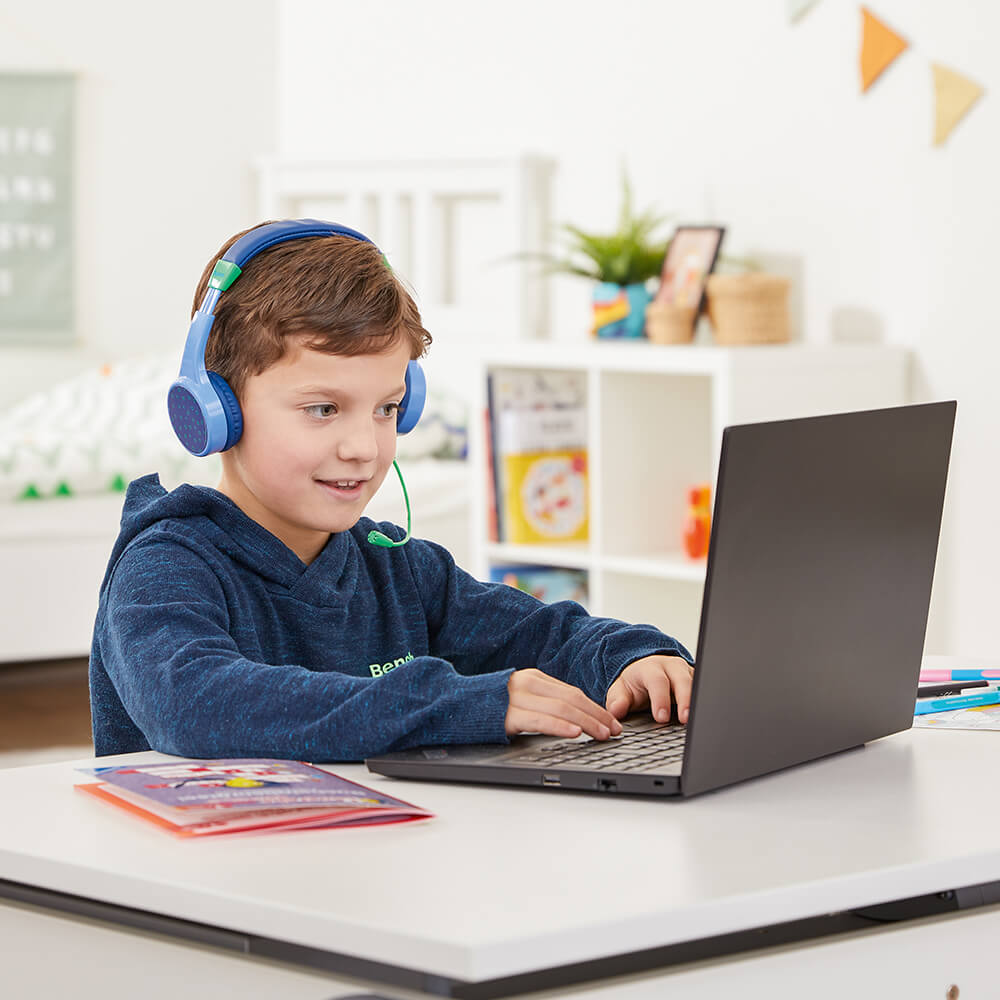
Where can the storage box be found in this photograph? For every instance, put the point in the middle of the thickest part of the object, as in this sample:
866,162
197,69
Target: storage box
748,308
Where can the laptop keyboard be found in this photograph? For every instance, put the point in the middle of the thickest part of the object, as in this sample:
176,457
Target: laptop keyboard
642,746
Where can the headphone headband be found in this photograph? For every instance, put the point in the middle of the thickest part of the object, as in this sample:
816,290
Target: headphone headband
204,411
263,237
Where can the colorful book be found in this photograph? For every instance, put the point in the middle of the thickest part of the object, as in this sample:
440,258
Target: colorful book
539,422
547,583
493,515
194,798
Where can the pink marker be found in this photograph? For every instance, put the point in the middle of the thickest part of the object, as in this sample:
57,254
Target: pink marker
960,675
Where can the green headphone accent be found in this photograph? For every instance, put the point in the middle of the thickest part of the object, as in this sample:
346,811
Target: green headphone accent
384,541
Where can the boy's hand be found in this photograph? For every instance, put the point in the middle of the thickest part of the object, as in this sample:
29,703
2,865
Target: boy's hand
650,681
542,704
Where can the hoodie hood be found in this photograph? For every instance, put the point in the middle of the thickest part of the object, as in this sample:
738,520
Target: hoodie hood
204,517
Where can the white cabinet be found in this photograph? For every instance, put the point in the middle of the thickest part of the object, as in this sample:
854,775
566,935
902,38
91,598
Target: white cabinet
655,421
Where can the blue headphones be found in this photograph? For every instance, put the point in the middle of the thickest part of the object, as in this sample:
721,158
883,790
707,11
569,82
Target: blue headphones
204,411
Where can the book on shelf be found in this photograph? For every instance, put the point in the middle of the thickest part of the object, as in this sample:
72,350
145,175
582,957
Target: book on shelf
194,798
538,444
547,583
492,474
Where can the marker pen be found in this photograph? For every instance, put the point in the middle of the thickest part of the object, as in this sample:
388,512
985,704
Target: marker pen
953,687
925,706
988,674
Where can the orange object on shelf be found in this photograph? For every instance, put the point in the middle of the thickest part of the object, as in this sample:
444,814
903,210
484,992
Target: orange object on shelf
698,523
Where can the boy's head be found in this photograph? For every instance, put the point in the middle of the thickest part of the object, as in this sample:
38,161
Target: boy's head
314,339
335,294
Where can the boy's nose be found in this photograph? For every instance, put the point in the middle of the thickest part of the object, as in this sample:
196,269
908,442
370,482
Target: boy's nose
359,443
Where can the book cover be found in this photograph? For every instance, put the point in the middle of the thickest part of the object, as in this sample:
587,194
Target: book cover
540,454
545,496
493,516
196,797
547,583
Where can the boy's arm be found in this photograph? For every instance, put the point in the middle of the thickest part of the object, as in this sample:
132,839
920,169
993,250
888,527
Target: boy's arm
481,627
182,679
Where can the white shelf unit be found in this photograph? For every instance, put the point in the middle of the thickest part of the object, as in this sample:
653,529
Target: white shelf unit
655,421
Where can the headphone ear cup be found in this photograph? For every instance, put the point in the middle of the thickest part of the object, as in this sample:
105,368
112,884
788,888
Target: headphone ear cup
230,407
412,404
186,407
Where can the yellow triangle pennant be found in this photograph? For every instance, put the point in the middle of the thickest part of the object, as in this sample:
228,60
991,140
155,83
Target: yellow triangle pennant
954,95
880,47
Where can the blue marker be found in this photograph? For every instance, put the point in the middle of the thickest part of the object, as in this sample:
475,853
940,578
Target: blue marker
927,705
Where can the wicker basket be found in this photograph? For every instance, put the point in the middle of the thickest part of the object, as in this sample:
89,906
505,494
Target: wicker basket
748,308
666,324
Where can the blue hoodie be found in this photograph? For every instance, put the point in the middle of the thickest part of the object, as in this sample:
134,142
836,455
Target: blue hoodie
213,639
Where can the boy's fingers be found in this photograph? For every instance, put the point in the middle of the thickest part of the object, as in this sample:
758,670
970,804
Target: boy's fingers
658,686
563,709
590,722
619,707
521,721
619,700
542,685
682,680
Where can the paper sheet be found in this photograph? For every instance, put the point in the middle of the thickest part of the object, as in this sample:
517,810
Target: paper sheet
980,717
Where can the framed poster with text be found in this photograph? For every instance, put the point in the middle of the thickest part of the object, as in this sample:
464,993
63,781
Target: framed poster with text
36,208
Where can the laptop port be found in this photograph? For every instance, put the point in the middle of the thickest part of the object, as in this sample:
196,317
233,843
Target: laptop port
551,779
607,784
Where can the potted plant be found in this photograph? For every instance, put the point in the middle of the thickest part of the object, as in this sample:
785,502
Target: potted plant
620,263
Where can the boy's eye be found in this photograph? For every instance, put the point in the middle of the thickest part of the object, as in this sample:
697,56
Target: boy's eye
388,409
321,410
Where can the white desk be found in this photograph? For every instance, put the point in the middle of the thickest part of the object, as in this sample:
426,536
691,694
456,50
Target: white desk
510,882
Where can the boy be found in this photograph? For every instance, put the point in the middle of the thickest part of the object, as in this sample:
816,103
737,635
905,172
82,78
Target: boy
256,619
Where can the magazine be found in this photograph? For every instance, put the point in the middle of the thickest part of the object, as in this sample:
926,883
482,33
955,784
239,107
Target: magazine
199,797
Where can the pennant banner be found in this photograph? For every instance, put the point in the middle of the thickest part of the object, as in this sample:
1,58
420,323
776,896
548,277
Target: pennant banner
797,9
880,47
954,95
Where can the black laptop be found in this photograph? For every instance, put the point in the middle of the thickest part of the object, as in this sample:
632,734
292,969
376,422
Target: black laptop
817,588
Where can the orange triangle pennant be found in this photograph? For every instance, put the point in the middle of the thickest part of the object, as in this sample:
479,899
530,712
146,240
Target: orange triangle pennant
954,95
880,46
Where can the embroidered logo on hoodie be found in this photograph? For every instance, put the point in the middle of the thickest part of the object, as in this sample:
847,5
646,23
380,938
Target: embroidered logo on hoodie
380,669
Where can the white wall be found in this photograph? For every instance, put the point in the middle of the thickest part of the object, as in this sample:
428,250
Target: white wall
173,103
723,112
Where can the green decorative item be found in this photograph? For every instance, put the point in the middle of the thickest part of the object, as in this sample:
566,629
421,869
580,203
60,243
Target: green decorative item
621,263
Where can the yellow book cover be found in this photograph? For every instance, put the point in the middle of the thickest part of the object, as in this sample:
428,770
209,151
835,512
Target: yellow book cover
545,496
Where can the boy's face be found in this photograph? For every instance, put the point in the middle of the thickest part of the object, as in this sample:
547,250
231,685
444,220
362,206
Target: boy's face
319,436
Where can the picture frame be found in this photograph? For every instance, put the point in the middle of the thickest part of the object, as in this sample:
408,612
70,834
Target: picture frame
690,259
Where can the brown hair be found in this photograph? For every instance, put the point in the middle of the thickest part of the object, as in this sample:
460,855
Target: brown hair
336,292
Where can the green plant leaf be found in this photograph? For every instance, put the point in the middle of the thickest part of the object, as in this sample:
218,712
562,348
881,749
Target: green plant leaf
630,255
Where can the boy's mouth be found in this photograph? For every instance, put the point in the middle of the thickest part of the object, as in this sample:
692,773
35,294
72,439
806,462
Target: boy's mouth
342,487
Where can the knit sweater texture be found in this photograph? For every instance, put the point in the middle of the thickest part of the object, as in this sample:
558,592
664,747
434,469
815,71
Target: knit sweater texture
213,639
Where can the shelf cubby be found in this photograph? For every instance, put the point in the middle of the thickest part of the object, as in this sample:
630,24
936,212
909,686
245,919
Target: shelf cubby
655,420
